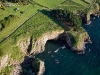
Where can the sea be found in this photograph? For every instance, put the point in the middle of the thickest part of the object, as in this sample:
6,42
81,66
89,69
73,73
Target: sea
61,61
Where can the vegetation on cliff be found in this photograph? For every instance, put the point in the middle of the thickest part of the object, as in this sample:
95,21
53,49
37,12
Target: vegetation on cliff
58,15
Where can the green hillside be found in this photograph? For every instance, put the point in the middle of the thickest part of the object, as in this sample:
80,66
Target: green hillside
33,19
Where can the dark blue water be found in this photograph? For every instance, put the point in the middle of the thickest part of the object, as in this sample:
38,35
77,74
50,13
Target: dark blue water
66,62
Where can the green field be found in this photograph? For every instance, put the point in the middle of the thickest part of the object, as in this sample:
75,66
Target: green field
89,1
49,3
37,25
28,10
72,6
81,2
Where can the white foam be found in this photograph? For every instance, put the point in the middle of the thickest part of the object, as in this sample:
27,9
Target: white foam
56,50
63,47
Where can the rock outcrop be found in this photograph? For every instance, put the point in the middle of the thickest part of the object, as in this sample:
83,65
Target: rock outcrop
60,36
64,39
4,61
42,68
39,45
23,44
17,70
80,47
39,66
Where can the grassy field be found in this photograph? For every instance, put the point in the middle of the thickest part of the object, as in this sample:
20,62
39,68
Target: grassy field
81,2
89,1
11,10
49,3
72,6
36,26
28,10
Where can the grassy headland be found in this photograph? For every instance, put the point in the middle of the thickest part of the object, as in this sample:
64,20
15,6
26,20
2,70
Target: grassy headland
39,24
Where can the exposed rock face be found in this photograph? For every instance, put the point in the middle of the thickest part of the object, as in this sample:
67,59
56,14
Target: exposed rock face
39,46
64,38
4,61
40,43
60,36
23,44
42,68
17,70
80,47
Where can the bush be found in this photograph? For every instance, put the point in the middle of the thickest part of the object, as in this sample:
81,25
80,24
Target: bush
7,21
67,16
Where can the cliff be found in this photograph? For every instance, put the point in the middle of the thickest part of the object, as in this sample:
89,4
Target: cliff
4,61
72,40
79,46
38,66
39,45
93,10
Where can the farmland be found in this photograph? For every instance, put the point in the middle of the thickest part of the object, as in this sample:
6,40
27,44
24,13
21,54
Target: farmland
22,17
48,3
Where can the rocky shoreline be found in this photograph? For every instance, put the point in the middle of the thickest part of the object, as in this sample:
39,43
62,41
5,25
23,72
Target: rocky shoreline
30,65
61,37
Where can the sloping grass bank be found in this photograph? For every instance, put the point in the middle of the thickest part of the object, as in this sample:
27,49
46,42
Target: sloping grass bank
27,13
36,26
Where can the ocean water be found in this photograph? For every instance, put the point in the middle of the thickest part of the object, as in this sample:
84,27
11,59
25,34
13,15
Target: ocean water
61,61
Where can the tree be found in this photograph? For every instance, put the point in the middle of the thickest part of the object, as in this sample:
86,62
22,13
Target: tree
76,20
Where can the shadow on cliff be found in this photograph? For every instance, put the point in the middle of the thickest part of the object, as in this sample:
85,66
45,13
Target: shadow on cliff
27,68
92,50
55,62
66,57
58,22
30,45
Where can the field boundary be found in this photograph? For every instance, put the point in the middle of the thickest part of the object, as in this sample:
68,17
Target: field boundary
19,26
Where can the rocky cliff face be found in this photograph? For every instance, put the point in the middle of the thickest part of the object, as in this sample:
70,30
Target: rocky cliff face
42,68
60,36
39,45
23,44
82,40
17,70
4,61
39,66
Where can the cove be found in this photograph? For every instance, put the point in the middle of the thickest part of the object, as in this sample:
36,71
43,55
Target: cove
62,61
